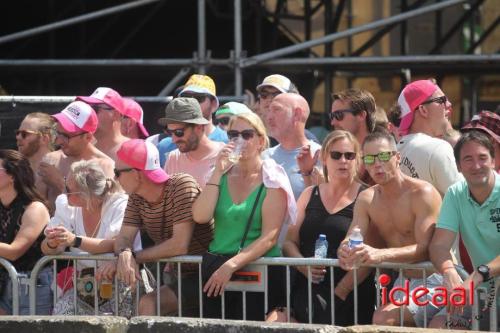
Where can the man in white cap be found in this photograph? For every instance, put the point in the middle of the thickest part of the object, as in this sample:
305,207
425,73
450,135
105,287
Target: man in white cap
161,205
110,109
201,88
196,153
75,129
132,125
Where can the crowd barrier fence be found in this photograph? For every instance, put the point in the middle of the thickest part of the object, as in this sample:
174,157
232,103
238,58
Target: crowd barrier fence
425,267
15,283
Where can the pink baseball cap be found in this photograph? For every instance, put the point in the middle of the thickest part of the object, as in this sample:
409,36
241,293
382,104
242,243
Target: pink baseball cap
133,110
76,117
414,94
104,95
144,156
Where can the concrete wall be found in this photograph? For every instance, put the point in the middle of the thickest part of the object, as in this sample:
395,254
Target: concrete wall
89,324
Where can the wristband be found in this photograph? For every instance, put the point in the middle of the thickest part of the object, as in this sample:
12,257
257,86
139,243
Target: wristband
308,173
127,249
213,184
77,242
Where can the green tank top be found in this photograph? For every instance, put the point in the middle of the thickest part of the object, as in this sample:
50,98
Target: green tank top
231,219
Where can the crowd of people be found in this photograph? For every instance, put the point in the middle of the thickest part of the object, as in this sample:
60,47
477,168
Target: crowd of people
234,183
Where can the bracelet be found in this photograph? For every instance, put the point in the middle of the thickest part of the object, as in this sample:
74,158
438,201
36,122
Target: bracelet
213,184
49,246
447,268
127,249
308,173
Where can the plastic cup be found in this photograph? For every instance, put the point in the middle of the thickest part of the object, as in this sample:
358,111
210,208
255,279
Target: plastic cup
106,289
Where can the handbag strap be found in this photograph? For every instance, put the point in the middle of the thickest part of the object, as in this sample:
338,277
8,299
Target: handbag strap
249,222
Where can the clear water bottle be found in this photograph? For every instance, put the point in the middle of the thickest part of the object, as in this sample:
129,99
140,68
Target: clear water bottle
320,250
235,155
355,239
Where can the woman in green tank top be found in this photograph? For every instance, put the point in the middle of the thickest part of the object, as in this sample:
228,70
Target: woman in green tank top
228,198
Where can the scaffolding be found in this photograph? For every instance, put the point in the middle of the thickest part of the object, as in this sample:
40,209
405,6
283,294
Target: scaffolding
468,63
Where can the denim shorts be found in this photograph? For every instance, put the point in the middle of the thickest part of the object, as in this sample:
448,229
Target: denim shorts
432,281
43,294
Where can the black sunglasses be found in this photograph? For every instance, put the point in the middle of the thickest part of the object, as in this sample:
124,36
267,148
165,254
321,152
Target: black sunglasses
198,97
223,120
67,137
25,133
179,132
245,134
337,155
439,100
267,94
118,172
339,114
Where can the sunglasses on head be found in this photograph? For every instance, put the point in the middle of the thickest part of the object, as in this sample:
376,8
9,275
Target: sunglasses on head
267,94
339,114
25,133
439,100
198,97
382,157
223,120
245,134
118,172
337,155
179,132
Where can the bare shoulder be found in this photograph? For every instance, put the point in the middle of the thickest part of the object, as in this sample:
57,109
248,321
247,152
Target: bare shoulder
276,194
366,196
37,210
54,157
423,192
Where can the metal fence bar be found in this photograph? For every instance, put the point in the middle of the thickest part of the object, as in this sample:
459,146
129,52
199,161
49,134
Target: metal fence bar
309,293
355,283
288,292
332,294
69,99
179,289
158,283
15,284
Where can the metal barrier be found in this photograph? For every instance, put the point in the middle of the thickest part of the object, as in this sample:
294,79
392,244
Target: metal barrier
425,267
15,284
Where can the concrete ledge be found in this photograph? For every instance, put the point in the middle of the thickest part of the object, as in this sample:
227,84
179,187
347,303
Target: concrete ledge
63,324
192,325
394,329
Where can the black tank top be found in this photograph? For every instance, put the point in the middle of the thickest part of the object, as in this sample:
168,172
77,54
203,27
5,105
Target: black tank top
318,221
10,223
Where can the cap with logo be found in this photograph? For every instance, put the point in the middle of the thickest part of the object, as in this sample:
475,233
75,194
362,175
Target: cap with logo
280,82
200,84
183,110
133,110
104,95
486,121
413,95
232,108
144,156
77,117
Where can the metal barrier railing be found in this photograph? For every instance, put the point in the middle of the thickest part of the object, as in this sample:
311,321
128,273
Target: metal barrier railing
425,267
15,284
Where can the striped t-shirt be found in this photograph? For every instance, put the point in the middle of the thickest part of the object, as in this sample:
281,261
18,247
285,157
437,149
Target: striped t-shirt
174,206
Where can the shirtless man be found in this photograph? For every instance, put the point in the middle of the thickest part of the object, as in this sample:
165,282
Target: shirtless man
75,127
35,139
404,210
110,109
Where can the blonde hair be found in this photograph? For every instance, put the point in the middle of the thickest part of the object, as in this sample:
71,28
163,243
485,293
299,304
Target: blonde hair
46,125
333,137
254,120
91,180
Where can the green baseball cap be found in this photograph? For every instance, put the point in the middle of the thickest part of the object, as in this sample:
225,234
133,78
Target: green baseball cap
183,110
233,108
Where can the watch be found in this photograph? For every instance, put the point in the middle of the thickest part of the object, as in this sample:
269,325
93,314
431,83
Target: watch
484,270
77,242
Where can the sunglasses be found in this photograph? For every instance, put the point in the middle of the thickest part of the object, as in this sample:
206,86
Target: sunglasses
339,114
267,94
25,133
382,157
337,155
223,120
118,172
439,100
67,190
179,132
66,137
199,98
245,134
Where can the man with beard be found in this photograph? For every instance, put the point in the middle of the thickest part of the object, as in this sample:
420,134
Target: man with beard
76,125
195,153
35,139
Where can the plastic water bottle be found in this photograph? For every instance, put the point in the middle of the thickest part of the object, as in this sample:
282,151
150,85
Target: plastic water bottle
355,239
235,155
321,249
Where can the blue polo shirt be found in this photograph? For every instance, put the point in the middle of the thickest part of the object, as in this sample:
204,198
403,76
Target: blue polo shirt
479,225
